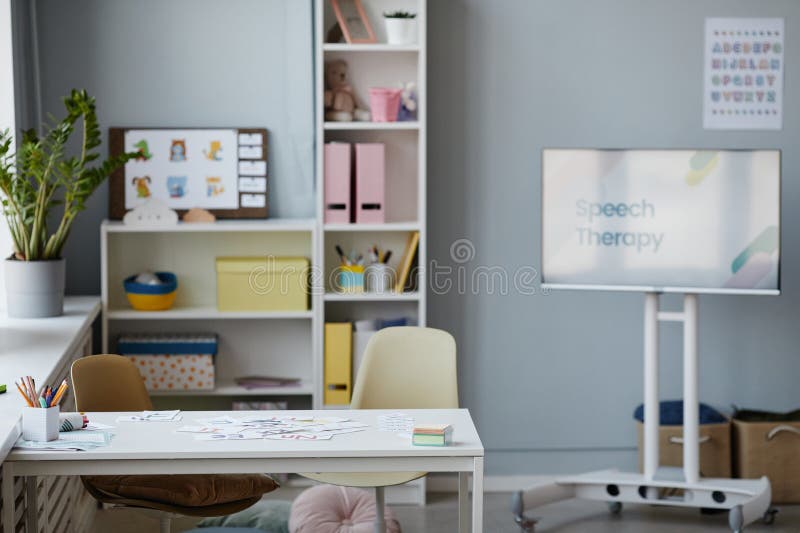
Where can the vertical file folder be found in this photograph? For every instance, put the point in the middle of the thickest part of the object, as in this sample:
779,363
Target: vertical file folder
337,183
370,183
338,363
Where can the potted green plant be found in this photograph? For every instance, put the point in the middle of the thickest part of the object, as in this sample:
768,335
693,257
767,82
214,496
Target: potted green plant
401,27
33,181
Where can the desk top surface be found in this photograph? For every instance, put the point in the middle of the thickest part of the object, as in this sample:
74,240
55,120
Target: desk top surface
160,440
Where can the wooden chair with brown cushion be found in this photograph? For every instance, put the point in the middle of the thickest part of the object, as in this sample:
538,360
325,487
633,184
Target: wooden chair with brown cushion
113,383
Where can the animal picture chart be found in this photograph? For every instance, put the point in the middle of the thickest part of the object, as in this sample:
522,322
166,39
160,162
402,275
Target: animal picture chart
223,170
743,74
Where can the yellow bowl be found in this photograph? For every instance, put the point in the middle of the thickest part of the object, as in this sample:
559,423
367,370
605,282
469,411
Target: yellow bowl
152,302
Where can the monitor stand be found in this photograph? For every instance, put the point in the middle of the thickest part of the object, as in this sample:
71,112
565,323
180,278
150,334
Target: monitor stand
746,500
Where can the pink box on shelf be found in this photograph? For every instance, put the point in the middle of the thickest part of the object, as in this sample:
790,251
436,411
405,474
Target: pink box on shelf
337,183
370,183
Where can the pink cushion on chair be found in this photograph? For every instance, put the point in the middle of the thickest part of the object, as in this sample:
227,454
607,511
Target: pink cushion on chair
332,509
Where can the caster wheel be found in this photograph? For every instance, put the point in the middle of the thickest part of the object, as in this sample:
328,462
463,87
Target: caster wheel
736,519
769,516
615,508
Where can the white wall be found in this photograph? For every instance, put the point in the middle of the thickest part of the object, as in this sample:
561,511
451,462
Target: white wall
7,115
552,379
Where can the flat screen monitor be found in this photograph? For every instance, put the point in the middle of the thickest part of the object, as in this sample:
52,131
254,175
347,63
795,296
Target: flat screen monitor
690,221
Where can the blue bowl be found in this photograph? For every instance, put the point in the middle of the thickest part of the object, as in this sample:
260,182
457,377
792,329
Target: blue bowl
169,283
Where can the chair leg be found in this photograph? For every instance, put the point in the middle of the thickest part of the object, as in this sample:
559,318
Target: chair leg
164,524
380,521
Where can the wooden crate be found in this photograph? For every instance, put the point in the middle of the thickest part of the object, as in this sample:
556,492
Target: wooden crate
715,448
769,449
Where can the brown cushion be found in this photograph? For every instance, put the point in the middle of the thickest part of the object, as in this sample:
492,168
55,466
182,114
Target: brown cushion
185,490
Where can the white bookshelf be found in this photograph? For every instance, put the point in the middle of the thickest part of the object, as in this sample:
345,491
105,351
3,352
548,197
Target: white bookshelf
371,65
278,343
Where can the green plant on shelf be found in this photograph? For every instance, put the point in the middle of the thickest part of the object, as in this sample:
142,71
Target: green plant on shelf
41,175
399,15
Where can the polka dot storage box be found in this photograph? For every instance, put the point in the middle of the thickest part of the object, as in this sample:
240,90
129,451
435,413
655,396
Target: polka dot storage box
182,362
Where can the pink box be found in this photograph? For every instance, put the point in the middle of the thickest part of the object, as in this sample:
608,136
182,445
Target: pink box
370,183
337,183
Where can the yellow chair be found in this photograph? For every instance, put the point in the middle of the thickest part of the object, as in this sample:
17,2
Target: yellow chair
402,368
103,383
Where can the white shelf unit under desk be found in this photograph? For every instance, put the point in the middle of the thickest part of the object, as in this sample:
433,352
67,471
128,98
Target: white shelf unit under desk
278,343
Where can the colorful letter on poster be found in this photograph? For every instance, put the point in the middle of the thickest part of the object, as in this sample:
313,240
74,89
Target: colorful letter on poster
743,74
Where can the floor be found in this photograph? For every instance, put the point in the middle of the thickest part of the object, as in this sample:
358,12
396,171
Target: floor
440,515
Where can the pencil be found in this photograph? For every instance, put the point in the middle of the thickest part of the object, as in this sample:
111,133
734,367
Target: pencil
27,400
60,394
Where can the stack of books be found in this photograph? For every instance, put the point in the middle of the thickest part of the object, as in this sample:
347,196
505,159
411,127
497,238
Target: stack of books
433,435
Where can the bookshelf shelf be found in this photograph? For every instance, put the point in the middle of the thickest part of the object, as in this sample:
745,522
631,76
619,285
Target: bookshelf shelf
375,126
204,312
387,226
230,388
372,297
377,47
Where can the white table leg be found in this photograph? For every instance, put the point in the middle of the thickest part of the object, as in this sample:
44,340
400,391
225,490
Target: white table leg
477,496
8,498
463,502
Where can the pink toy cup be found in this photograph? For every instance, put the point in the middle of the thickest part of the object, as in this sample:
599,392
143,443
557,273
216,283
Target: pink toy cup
384,103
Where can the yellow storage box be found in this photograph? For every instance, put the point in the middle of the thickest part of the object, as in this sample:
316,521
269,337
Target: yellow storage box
264,283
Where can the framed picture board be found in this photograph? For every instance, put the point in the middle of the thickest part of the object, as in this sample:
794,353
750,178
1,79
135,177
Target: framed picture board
353,21
223,170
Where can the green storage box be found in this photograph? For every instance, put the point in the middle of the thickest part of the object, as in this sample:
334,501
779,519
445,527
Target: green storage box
264,283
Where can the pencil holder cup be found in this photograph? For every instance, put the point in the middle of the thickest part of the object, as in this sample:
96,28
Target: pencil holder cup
40,424
378,278
350,279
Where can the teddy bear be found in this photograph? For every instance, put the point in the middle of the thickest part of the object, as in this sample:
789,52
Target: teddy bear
340,101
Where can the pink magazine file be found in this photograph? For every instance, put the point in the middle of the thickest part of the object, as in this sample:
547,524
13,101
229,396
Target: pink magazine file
370,183
337,183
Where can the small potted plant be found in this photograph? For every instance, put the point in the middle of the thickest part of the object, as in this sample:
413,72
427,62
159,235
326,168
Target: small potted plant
38,177
401,27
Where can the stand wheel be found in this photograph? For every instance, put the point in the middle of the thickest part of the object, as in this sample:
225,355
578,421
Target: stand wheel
615,508
769,516
526,525
736,519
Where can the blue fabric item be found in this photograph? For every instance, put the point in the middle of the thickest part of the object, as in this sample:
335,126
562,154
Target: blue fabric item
671,414
268,516
392,323
226,530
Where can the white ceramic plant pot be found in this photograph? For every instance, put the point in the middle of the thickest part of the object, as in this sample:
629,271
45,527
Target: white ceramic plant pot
401,31
34,289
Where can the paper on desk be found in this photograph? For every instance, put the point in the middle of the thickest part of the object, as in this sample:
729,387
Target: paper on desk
301,436
396,422
75,440
198,429
219,421
227,436
152,416
96,426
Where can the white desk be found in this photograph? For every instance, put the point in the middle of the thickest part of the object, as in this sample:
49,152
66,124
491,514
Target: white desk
156,448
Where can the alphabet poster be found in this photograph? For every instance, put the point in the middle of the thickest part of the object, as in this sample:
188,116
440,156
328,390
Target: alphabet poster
743,73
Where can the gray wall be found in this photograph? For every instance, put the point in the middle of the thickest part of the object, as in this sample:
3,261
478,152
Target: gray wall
551,379
189,63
